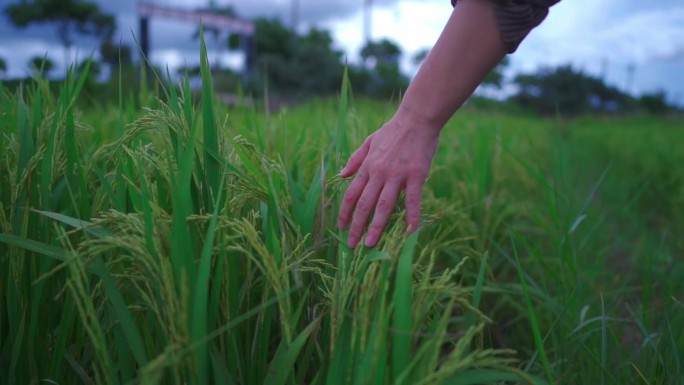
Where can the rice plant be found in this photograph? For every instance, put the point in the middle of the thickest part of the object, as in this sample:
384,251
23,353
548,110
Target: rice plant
169,242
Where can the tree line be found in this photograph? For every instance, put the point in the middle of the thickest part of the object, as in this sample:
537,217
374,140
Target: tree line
297,66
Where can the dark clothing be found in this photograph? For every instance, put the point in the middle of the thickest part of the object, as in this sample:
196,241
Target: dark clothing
517,18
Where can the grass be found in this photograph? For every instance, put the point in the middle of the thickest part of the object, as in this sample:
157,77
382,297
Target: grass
170,241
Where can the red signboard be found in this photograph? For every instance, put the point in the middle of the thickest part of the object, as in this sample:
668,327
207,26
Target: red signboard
208,19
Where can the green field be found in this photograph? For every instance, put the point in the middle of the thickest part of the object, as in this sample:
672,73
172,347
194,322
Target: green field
168,241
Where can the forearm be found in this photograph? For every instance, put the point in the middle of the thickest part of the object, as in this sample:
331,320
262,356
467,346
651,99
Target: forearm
399,154
468,49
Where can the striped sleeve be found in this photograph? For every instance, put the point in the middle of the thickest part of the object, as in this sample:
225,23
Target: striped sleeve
517,18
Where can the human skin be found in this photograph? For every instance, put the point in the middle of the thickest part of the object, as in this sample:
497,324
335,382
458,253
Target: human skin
398,156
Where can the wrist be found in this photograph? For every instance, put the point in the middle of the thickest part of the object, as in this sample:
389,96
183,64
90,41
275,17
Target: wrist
416,120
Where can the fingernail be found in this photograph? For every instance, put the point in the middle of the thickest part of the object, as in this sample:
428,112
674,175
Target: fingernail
351,242
370,241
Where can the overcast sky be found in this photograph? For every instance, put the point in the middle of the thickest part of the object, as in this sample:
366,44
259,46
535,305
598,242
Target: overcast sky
600,36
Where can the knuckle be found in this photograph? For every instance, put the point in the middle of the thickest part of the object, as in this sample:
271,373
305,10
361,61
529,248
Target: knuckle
349,197
356,230
414,216
417,171
363,171
384,205
376,228
381,169
413,200
363,207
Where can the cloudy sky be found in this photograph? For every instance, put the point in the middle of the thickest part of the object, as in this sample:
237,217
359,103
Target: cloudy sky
603,37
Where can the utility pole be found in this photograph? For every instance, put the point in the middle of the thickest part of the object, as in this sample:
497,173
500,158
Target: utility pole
631,68
295,14
604,69
368,21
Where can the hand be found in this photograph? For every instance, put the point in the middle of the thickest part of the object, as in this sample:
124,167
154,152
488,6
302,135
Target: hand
396,157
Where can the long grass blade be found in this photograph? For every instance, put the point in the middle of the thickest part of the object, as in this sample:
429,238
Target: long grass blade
283,362
402,301
534,324
212,165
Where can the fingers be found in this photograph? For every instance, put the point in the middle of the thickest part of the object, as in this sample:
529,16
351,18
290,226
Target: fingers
350,198
383,210
381,173
364,206
414,189
356,159
364,197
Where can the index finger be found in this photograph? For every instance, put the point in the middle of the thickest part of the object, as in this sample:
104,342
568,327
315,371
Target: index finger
351,196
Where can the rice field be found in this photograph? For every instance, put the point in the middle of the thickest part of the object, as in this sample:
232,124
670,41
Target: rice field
169,239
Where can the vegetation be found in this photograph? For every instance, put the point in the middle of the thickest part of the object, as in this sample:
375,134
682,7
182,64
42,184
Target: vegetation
301,66
382,52
496,77
115,55
41,65
293,65
655,103
70,16
571,92
3,66
164,241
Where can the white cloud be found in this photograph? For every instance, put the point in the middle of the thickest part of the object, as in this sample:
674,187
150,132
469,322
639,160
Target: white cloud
607,38
649,36
17,53
413,25
171,58
586,29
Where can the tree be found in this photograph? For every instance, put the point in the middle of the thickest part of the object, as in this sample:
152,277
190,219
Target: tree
383,51
495,77
384,78
655,102
115,54
94,69
70,16
232,42
3,67
293,65
419,57
41,65
222,11
273,38
569,91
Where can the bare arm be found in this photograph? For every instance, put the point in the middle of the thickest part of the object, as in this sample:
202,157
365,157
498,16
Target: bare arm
469,47
399,155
